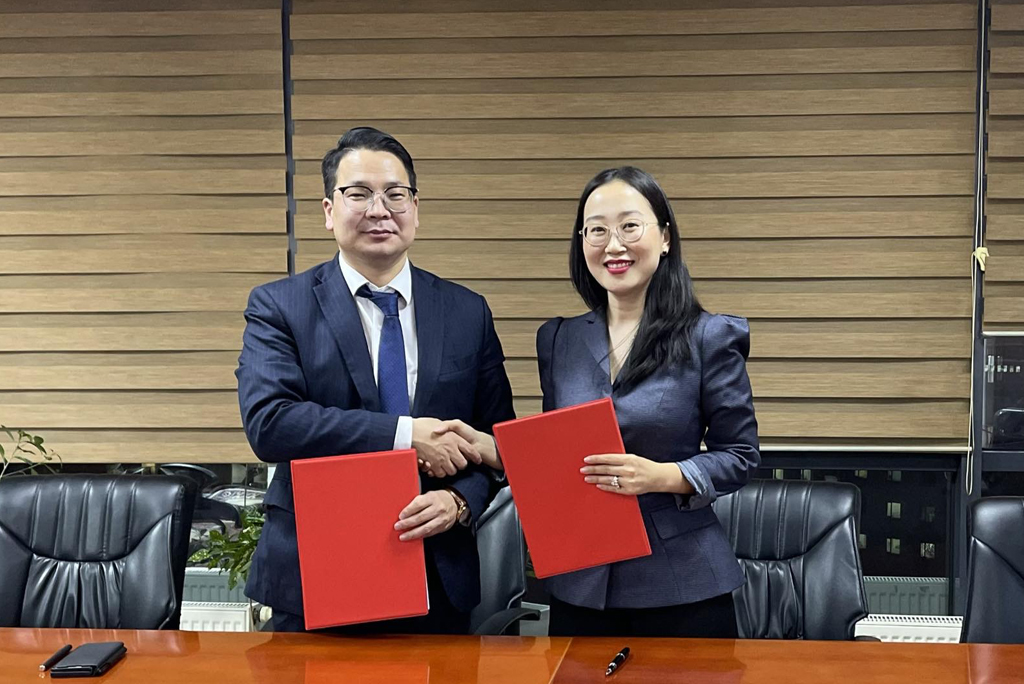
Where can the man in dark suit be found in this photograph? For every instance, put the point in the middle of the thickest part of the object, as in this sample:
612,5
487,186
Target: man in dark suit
367,353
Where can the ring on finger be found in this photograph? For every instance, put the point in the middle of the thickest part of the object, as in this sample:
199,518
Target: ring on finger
615,482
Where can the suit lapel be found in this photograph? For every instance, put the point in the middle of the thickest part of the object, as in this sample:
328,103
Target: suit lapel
595,333
429,337
339,309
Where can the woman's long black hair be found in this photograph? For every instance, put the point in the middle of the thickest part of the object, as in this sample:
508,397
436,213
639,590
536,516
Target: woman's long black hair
671,309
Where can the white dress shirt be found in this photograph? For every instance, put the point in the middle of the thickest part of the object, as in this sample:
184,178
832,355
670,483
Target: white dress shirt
372,319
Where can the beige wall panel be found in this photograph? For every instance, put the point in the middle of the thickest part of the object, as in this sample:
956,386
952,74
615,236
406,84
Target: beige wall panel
604,64
1004,276
821,169
157,292
142,196
739,259
636,23
193,23
135,332
149,446
115,410
141,254
722,218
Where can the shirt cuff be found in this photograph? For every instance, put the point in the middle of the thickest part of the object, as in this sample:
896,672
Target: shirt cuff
702,495
403,433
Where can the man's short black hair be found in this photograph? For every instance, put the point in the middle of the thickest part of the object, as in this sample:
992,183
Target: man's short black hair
363,138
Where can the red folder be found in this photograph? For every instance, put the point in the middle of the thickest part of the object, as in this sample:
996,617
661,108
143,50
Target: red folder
354,568
569,524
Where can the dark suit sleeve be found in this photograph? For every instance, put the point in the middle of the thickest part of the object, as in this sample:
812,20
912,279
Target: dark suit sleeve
728,407
545,353
280,423
492,404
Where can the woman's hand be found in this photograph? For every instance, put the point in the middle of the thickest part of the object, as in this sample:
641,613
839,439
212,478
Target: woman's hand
632,474
481,442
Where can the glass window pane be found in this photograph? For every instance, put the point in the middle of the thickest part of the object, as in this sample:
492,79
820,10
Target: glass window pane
1003,399
903,535
1002,484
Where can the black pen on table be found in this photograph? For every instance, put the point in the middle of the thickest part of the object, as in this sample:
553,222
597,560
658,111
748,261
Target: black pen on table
617,661
55,658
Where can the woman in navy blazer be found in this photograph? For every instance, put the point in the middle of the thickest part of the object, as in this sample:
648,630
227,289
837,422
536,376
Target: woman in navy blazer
677,375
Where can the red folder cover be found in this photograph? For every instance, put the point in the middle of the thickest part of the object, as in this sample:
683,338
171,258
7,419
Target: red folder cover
569,524
354,568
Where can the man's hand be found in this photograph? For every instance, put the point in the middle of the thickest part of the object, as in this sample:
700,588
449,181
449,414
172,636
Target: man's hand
441,454
481,441
426,515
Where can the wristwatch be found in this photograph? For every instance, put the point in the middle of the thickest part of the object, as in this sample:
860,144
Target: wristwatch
462,512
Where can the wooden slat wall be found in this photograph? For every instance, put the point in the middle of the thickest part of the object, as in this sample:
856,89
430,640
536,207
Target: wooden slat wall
819,159
1004,279
142,194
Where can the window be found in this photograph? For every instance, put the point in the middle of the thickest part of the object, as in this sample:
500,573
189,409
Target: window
904,517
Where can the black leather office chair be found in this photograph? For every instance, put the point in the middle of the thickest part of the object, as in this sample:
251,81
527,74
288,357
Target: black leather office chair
995,584
93,551
499,540
797,543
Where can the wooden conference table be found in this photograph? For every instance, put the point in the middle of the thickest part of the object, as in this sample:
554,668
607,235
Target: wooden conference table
226,658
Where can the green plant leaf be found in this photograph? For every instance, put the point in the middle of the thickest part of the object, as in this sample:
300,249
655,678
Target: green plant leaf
199,556
233,553
27,449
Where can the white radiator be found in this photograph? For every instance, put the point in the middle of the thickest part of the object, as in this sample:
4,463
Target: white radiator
889,595
943,629
210,585
216,617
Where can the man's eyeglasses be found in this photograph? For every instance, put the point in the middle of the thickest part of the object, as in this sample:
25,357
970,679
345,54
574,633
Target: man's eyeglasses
628,231
359,198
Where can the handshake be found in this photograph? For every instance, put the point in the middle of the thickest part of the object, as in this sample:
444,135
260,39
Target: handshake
446,447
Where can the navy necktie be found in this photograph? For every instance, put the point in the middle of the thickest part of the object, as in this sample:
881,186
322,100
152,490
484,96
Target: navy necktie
392,383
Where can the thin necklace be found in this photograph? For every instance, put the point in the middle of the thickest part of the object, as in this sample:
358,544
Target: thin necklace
613,366
628,336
